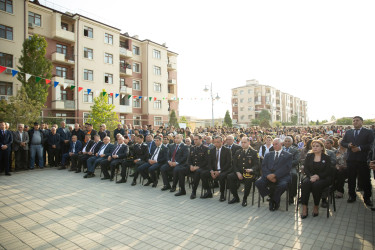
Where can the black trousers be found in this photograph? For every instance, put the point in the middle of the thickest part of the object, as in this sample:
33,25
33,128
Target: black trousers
204,175
74,160
316,188
222,181
180,172
4,160
21,156
233,183
293,183
339,181
53,156
82,161
360,169
110,166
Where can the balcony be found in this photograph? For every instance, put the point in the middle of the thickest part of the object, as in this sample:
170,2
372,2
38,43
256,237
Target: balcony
172,66
126,53
126,71
171,96
257,103
126,109
63,35
235,104
63,105
172,81
125,90
63,58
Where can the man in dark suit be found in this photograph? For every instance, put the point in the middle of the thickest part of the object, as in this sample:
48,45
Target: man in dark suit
64,133
74,148
150,143
198,164
6,140
103,153
358,141
231,145
85,148
288,147
119,153
79,133
103,132
94,149
159,156
276,168
21,147
46,132
119,130
54,145
140,156
220,164
178,157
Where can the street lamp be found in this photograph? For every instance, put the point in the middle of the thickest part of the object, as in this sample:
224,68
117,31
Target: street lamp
206,89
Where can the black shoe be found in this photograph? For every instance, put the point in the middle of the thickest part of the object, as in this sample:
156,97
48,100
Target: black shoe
77,171
277,206
244,203
368,202
222,198
148,183
134,183
324,203
86,175
351,199
8,174
85,171
91,175
154,185
305,216
111,179
207,195
121,181
173,189
234,200
105,178
165,188
182,192
291,200
271,205
359,189
72,169
315,214
193,196
61,168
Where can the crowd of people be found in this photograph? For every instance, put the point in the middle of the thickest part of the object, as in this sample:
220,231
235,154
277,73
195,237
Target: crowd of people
276,159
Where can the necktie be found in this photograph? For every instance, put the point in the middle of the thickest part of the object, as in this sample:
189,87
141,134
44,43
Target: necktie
93,147
117,149
217,157
149,148
174,153
277,156
155,153
356,134
74,146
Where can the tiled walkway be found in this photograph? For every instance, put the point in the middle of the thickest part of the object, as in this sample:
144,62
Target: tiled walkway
46,209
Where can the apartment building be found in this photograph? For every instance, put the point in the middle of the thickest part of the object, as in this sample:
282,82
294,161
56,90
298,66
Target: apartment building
96,57
249,100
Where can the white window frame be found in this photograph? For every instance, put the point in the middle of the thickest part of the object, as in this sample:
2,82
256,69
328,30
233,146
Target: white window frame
136,50
157,87
136,121
157,104
157,70
158,120
89,29
108,58
135,83
109,78
137,103
88,71
110,99
87,52
89,97
136,66
108,38
85,116
156,54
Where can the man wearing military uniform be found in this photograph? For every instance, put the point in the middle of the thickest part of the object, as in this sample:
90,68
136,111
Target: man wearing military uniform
198,166
245,168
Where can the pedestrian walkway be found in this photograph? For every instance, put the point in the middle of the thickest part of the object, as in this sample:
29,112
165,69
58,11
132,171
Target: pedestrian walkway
48,209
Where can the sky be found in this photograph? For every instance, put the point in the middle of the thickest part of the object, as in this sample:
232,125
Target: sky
320,51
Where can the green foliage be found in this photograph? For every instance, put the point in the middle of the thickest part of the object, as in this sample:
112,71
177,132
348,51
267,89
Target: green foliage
369,122
294,120
102,112
20,109
264,115
277,124
255,122
311,123
227,120
34,62
184,120
344,121
333,118
173,120
264,124
51,120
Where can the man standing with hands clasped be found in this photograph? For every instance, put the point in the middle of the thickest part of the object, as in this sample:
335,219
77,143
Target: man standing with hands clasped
358,141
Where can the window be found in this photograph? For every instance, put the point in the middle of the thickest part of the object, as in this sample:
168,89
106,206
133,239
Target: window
88,32
6,60
124,44
108,58
122,82
61,71
122,119
64,95
157,54
124,100
136,103
85,117
6,32
250,108
136,67
249,91
61,49
136,120
6,5
242,117
136,50
88,53
157,70
136,85
108,38
88,75
88,97
241,92
157,104
35,19
249,117
241,108
6,88
249,100
158,121
64,26
110,99
241,100
108,78
157,87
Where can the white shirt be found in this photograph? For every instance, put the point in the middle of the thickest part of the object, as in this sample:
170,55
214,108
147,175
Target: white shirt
101,151
218,157
267,150
156,153
84,149
278,153
20,135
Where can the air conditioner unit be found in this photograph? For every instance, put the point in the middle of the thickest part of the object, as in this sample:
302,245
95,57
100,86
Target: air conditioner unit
31,25
3,97
8,71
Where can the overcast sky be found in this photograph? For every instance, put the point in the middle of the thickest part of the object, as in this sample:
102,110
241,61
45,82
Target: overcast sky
320,51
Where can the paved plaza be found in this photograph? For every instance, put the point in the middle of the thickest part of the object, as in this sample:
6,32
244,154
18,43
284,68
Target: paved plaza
47,209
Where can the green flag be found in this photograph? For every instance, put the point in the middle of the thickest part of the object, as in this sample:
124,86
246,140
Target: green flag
72,87
37,79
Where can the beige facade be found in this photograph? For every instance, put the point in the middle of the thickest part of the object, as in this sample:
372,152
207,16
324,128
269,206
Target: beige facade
89,54
249,100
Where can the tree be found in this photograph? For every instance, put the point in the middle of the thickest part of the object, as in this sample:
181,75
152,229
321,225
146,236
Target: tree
184,120
102,112
173,119
294,120
255,122
264,118
344,121
277,124
34,62
227,120
20,109
333,118
368,122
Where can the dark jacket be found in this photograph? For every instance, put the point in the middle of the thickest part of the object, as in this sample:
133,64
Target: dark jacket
225,160
107,151
364,140
118,131
6,139
31,133
78,147
182,154
248,160
54,140
123,152
322,169
88,145
199,157
281,168
104,134
95,148
17,140
140,151
64,134
80,135
234,148
151,147
162,156
92,133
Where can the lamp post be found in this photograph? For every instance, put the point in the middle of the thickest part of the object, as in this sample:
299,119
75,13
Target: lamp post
206,89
